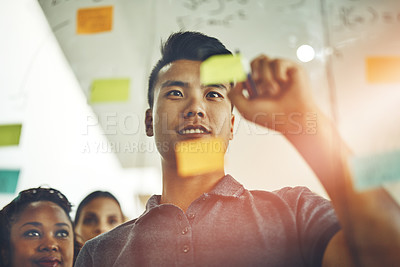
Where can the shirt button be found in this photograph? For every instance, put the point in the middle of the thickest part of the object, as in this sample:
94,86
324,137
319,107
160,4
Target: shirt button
185,230
191,216
185,249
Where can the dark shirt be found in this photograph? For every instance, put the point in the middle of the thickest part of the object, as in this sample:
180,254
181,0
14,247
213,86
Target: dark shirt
229,226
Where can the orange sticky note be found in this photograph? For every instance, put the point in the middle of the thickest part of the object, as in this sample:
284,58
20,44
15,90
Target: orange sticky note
200,156
383,69
94,20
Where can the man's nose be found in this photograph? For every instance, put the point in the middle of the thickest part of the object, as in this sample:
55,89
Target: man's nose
195,108
193,114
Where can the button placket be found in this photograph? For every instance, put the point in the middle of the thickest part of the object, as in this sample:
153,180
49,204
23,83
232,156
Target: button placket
185,230
185,249
184,236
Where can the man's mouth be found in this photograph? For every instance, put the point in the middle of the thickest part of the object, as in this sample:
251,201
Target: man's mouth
194,129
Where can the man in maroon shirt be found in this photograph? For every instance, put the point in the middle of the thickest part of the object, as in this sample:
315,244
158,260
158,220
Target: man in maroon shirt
211,220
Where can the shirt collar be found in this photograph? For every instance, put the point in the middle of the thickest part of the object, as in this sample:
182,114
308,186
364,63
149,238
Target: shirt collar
226,187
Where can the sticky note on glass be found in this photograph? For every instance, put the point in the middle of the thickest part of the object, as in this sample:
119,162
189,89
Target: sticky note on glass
375,170
200,156
222,69
94,20
8,181
109,90
383,69
10,134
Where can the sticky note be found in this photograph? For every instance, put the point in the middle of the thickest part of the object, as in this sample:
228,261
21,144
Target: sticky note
8,181
383,69
10,134
222,69
109,90
375,170
200,156
94,20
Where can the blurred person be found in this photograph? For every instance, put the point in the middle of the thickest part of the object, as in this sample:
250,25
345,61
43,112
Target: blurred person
98,212
36,230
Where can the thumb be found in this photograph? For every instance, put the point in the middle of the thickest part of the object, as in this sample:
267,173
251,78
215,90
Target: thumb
238,99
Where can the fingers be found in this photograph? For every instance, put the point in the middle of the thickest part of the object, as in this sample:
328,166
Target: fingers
270,75
281,70
263,76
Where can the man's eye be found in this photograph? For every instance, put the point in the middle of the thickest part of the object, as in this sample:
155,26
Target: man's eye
175,93
213,94
32,233
62,233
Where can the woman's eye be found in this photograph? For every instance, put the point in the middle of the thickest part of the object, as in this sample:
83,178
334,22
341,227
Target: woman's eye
90,220
213,94
112,221
62,233
32,233
175,93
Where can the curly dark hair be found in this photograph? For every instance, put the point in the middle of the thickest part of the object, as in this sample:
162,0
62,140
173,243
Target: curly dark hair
10,213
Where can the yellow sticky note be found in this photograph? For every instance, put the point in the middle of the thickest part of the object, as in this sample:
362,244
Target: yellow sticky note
109,90
94,20
383,69
200,156
10,134
222,69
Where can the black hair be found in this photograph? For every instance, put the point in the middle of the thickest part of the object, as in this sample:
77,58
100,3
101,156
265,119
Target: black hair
90,197
184,45
9,214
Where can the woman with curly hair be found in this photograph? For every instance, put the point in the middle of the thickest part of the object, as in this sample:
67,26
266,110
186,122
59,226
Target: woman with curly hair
36,230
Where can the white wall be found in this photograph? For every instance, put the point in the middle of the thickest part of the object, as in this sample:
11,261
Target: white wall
39,90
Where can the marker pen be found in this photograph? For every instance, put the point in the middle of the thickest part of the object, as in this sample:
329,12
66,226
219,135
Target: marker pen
250,84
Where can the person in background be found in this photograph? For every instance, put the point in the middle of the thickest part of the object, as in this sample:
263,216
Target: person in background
98,212
36,230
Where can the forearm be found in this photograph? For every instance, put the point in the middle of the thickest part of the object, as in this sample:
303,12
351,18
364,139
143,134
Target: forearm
370,220
320,144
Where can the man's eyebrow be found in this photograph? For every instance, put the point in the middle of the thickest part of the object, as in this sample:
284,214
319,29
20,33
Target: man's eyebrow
218,85
174,83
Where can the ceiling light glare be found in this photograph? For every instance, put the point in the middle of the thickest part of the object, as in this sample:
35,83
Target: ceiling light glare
305,53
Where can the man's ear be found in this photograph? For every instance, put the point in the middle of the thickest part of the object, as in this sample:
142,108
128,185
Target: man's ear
232,126
149,122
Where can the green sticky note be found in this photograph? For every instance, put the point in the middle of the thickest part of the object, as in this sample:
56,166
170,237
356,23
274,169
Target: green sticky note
8,181
109,90
222,69
375,170
10,134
